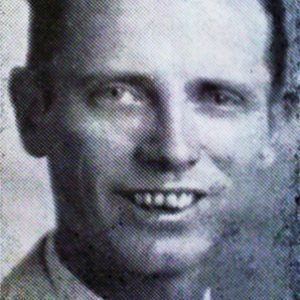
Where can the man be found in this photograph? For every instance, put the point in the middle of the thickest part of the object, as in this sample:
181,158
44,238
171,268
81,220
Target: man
157,119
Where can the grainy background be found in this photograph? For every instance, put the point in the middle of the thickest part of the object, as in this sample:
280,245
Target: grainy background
26,206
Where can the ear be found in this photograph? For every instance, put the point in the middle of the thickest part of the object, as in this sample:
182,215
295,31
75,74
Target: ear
27,98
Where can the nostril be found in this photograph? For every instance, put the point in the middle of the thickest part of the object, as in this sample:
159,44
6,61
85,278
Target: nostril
170,163
148,157
193,162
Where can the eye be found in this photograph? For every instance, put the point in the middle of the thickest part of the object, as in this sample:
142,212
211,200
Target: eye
123,95
219,102
224,98
118,94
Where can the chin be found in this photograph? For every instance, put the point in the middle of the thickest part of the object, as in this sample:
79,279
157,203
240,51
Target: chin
167,257
167,266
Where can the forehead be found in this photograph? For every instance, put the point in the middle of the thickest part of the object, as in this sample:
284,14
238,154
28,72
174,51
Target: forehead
184,36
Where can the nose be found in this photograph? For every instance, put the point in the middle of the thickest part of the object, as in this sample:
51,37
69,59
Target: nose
167,149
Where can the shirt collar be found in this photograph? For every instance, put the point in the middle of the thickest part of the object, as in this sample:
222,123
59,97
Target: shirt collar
66,284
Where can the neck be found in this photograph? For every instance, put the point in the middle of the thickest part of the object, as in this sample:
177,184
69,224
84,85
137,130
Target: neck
111,281
182,286
152,287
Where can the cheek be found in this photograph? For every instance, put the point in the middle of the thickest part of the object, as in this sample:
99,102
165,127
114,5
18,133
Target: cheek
238,139
104,139
121,128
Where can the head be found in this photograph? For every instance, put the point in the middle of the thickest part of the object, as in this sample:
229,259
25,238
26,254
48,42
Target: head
155,118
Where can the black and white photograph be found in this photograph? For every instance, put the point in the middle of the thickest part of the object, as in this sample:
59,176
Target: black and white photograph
150,149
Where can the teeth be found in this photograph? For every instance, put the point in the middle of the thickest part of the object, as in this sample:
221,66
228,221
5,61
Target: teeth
148,199
138,198
185,200
159,200
172,200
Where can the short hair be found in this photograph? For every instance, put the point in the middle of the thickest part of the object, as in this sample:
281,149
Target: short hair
46,30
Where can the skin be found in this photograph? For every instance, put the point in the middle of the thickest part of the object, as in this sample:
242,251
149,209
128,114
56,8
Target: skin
163,86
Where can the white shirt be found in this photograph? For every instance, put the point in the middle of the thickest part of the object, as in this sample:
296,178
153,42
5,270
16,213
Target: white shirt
67,286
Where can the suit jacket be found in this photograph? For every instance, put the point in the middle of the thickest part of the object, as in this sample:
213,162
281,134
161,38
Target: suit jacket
41,276
29,280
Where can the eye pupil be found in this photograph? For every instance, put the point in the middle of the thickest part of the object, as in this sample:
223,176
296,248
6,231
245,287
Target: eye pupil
222,99
219,99
114,92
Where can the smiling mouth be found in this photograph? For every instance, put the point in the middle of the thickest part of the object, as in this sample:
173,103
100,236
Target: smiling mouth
165,201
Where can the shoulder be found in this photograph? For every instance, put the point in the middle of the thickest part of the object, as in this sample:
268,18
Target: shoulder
29,279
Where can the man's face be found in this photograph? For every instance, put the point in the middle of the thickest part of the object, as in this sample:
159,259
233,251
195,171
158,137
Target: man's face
158,124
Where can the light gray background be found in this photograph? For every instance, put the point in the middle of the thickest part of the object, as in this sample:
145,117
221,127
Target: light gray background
26,209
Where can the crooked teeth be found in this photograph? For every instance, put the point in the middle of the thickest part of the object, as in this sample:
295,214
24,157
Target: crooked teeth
167,200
